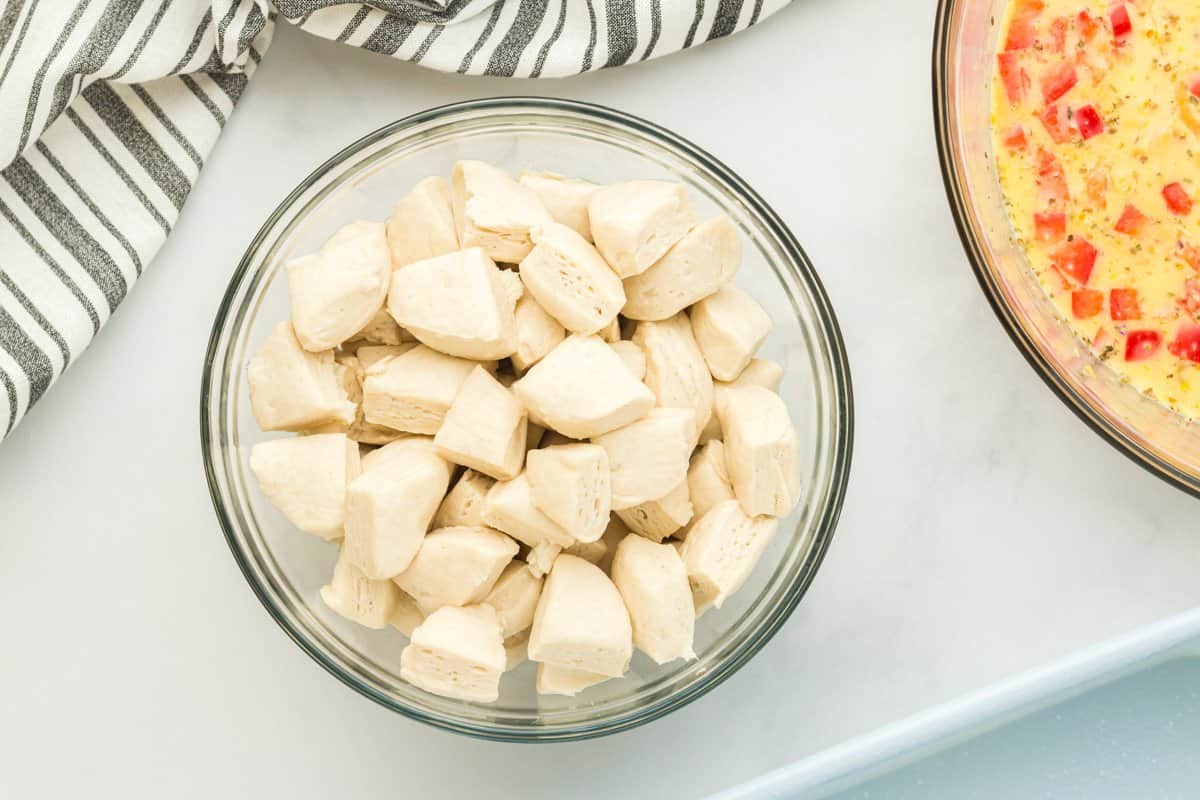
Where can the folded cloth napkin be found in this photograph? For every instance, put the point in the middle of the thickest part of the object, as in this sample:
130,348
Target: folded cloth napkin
109,108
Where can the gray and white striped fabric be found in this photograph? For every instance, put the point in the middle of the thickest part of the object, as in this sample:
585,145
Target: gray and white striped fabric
109,108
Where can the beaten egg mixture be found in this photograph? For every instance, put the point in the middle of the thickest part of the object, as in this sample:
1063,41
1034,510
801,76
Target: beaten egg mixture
1096,119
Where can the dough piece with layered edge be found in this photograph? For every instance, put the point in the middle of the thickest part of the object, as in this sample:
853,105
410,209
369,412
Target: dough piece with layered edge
708,479
292,389
721,551
675,368
570,484
648,458
759,372
509,507
581,621
762,454
458,304
697,266
456,567
537,333
389,508
632,356
729,326
653,582
422,224
658,519
494,212
634,223
569,279
457,653
515,598
583,389
305,477
359,598
484,429
336,291
463,504
412,392
565,198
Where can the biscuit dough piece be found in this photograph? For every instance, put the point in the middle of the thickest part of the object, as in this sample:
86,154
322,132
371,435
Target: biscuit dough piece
708,479
336,291
553,679
729,326
494,212
634,223
565,198
422,224
537,333
582,389
632,356
457,653
581,621
484,429
390,506
515,597
305,477
456,567
700,264
292,389
412,392
463,505
762,455
721,550
648,458
653,582
571,281
358,598
658,519
570,484
458,304
509,507
675,367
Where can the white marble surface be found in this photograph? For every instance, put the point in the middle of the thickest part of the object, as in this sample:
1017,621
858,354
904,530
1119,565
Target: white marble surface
985,531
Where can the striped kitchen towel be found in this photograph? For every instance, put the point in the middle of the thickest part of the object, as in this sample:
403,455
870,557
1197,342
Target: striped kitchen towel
109,108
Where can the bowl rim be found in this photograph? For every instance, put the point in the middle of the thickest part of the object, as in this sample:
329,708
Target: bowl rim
1026,345
842,439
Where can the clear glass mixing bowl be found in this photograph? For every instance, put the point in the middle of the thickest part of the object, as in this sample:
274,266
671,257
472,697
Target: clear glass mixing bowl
964,51
286,568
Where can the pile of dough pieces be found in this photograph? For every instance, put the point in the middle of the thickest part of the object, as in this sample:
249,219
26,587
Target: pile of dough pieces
531,414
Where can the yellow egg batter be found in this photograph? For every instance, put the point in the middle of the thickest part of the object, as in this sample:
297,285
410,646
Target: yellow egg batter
1096,120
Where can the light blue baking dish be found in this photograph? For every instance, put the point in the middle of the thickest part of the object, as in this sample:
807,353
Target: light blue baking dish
1118,720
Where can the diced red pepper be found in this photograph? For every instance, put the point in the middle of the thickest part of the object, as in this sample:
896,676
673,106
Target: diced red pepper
1132,221
1016,80
1021,30
1097,187
1086,303
1014,138
1187,342
1177,199
1102,339
1051,180
1191,254
1057,124
1089,121
1123,305
1140,345
1087,25
1190,299
1049,226
1075,259
1058,82
1058,34
1193,84
1121,24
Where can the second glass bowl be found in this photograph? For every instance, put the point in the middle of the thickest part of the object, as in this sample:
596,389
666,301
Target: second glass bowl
286,568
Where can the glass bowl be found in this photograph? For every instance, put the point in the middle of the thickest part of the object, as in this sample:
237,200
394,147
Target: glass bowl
964,50
286,568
